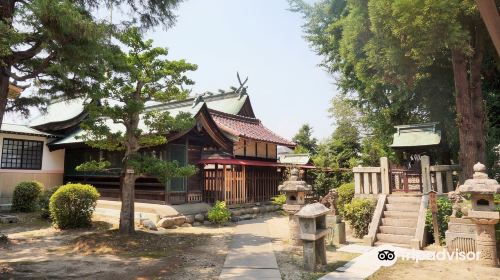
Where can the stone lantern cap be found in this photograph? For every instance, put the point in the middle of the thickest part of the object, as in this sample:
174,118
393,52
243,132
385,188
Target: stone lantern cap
312,211
480,183
293,184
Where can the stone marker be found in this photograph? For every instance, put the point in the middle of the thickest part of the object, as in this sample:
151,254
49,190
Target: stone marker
312,221
483,213
334,223
199,218
148,224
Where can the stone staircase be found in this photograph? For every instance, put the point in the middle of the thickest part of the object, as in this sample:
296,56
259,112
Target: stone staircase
399,220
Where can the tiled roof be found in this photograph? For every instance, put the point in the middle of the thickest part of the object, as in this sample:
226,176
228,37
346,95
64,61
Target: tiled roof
23,130
247,128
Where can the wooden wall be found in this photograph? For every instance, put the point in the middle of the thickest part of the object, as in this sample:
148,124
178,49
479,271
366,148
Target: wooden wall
251,148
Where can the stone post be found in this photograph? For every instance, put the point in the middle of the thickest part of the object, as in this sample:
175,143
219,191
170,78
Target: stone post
384,175
426,174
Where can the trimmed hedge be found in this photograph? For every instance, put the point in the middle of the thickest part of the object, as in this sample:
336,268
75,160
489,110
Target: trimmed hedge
346,194
359,215
44,200
26,195
72,205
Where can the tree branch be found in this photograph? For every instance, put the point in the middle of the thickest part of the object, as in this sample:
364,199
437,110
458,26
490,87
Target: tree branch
33,74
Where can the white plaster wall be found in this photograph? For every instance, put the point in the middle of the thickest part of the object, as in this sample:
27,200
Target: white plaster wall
52,162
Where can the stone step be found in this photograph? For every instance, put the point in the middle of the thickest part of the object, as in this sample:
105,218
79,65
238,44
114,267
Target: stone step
400,214
410,231
378,243
394,238
404,199
398,222
406,207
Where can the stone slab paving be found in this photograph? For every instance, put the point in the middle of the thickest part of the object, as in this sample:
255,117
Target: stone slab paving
251,254
368,263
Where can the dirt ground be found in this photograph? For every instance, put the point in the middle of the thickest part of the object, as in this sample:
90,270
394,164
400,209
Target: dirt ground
290,259
38,251
410,270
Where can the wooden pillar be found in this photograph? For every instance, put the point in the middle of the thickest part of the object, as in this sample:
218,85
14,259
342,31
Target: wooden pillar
385,175
426,174
224,184
244,183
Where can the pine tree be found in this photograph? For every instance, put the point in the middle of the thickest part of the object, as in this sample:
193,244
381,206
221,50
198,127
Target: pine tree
139,76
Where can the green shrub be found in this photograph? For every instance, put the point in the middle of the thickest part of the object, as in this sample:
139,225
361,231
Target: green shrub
44,200
219,214
444,212
72,205
359,215
346,194
26,195
3,238
279,200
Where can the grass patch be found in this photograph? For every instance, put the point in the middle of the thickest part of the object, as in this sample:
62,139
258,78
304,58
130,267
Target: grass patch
141,244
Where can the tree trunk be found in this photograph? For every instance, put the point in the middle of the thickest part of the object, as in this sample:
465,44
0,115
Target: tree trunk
127,222
470,107
467,150
476,92
4,93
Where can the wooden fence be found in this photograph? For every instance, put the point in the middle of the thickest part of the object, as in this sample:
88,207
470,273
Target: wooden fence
240,184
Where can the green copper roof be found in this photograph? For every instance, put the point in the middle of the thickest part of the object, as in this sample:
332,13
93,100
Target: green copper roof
228,102
416,135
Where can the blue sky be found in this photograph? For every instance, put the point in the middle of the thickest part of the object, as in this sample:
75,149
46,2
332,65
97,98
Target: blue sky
263,40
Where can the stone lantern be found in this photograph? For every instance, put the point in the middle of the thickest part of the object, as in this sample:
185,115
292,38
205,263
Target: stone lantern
312,221
295,191
483,213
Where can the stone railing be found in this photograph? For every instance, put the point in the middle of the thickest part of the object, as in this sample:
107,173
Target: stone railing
372,180
442,177
377,180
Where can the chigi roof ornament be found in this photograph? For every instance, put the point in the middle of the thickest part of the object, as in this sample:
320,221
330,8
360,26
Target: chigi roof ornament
197,100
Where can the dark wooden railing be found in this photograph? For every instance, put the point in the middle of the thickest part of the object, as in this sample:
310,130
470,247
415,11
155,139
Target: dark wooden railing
403,180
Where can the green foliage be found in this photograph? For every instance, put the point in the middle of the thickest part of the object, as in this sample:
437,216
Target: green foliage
26,195
219,213
44,201
143,74
163,170
322,183
304,140
279,200
93,166
359,215
443,215
3,238
391,62
346,194
72,205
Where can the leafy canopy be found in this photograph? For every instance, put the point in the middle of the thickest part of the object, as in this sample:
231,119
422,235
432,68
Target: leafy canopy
306,143
119,119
